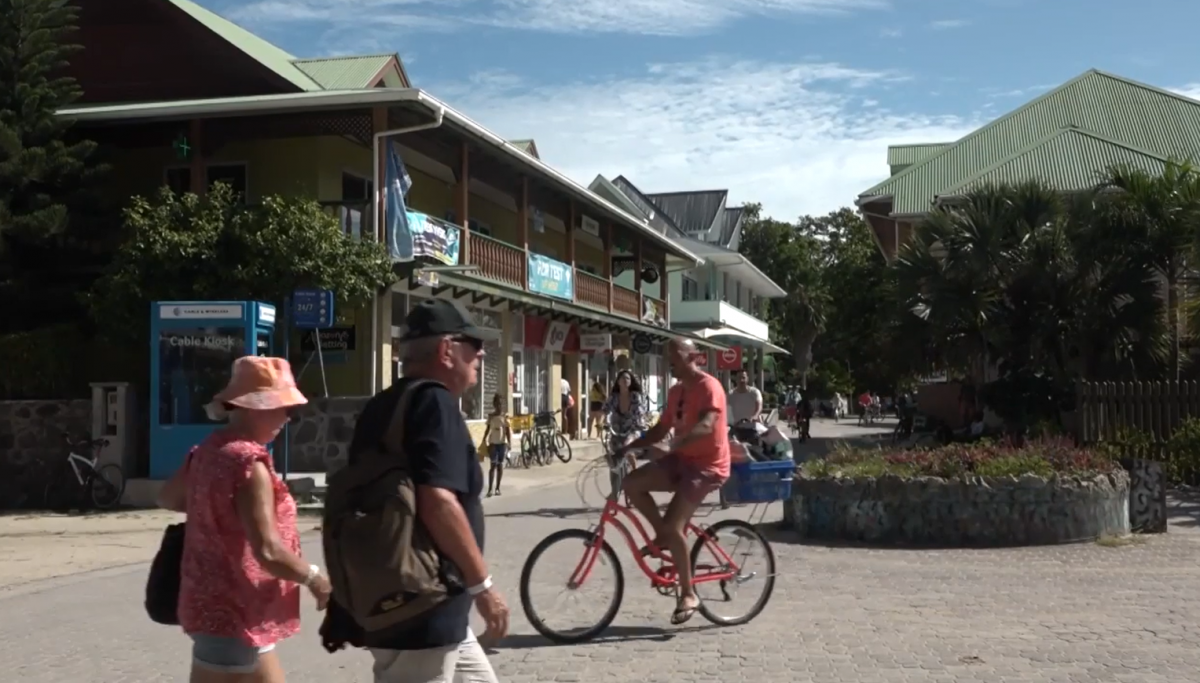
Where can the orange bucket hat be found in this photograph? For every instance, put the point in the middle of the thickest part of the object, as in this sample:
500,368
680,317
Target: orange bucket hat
258,383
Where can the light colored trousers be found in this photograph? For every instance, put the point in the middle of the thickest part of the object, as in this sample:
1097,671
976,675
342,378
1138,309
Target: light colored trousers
462,663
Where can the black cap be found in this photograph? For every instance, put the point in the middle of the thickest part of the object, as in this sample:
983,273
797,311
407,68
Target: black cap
437,317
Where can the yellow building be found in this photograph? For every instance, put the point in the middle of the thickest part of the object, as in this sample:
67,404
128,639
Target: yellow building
536,249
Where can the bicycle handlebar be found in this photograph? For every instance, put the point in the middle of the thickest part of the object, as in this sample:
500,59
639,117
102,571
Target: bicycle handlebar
85,442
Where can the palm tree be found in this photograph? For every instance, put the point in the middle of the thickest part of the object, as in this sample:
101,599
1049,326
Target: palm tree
1159,215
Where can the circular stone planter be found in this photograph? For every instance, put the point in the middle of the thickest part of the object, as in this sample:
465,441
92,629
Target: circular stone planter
972,511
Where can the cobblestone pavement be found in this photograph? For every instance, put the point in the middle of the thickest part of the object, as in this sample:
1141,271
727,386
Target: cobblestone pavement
1075,614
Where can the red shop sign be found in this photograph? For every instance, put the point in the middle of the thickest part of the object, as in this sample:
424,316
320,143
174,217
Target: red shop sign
730,359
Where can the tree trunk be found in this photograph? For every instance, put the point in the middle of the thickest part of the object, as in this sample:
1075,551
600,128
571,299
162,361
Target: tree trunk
802,344
1173,321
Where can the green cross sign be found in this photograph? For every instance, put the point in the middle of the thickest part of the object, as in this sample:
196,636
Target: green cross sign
183,149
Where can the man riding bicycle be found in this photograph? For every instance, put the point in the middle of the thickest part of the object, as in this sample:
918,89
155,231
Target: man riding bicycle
694,464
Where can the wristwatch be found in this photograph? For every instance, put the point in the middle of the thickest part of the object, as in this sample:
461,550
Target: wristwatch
313,572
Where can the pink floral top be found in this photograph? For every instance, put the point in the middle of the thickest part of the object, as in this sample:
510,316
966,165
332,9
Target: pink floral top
223,589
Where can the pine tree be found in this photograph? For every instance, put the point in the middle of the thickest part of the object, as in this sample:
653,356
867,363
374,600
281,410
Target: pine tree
41,170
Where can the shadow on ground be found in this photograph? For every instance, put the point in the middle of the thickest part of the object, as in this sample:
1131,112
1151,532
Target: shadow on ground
1183,507
613,634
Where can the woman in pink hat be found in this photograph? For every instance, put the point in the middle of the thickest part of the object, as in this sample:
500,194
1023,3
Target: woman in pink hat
242,570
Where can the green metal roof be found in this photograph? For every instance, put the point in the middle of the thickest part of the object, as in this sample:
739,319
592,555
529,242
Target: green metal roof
343,73
902,155
527,146
1068,159
1129,113
260,50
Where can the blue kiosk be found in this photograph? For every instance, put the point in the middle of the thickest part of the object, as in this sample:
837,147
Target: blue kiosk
192,346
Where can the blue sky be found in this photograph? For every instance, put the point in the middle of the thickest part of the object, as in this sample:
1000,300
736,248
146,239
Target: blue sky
791,103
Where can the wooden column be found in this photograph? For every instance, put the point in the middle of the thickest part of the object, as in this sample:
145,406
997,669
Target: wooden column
571,245
199,184
637,275
666,289
462,205
523,214
607,236
379,123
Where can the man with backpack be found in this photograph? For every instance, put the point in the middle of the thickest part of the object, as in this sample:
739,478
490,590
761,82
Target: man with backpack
403,529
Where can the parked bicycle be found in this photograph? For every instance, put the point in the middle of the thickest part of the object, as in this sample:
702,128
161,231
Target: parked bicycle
718,554
544,442
82,480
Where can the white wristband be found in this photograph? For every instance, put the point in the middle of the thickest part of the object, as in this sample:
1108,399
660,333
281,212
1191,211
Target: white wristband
313,572
481,588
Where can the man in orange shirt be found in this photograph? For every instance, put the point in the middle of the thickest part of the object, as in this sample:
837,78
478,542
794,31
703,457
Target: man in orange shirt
694,464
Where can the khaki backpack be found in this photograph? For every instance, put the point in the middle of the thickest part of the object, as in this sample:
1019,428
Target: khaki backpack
384,568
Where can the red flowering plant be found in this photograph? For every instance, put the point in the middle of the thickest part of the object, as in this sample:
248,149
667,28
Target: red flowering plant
1042,457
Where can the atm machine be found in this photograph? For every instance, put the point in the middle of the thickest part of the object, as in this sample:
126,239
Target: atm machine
192,347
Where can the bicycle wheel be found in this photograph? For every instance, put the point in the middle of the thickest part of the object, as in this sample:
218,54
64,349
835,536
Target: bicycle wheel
526,458
562,448
106,485
58,494
738,533
545,457
584,541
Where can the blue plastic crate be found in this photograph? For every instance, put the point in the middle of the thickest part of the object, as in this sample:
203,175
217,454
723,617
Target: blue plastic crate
759,482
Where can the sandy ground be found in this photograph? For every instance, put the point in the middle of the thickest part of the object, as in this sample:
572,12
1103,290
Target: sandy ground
40,546
43,546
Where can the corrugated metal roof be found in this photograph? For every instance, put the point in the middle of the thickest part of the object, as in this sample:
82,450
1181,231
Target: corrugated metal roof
731,218
1130,113
900,155
658,218
260,50
693,212
1069,159
343,73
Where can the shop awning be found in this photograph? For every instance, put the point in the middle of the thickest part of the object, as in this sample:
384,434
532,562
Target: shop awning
462,282
735,337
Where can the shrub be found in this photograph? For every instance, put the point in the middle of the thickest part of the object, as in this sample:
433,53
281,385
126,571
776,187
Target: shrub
1042,457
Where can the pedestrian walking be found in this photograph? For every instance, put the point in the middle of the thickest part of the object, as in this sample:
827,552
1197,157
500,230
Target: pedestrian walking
241,573
404,584
498,437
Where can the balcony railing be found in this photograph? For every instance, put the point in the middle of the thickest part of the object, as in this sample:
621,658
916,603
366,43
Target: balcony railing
354,216
627,302
591,290
499,261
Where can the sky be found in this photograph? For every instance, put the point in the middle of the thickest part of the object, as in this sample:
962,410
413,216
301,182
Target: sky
789,103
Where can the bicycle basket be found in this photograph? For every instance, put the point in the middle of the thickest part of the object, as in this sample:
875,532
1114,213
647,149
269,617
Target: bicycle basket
520,423
543,420
759,482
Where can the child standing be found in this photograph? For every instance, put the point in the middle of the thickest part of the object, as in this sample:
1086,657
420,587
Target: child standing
497,437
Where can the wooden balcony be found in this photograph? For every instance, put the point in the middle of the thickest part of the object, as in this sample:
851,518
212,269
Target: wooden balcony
627,302
499,261
354,216
591,290
654,311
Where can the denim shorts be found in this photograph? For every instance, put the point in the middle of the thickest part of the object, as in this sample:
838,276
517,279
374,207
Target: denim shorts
498,451
227,655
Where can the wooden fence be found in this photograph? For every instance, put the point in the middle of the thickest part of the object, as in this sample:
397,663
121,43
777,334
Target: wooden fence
1139,419
1106,410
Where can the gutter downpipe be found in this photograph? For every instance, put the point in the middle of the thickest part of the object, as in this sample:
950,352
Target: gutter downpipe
375,213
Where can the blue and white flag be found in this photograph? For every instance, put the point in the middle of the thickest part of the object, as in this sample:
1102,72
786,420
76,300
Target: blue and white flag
400,238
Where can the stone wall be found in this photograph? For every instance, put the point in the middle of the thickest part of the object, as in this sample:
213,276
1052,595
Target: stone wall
31,445
978,512
321,432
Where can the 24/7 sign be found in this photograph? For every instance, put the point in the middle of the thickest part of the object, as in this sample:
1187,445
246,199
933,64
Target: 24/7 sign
312,309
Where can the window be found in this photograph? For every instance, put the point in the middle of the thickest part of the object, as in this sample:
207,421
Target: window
725,287
355,189
738,294
588,269
194,365
691,289
179,178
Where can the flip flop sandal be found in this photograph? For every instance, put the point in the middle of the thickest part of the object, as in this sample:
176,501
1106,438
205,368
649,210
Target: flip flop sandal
682,615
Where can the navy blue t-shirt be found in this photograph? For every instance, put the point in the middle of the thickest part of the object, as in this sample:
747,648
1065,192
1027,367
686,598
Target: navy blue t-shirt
440,453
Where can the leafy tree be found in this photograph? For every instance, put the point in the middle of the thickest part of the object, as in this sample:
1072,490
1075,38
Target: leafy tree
42,173
792,259
212,248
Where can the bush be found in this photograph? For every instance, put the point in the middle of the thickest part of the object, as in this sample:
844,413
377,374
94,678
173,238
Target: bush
1042,457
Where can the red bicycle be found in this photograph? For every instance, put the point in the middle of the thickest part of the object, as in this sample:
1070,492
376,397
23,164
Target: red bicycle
719,568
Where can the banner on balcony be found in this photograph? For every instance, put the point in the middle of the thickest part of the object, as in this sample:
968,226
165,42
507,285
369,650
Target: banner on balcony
551,278
432,238
398,183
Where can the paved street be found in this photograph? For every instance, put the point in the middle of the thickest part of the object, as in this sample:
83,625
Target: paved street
1076,614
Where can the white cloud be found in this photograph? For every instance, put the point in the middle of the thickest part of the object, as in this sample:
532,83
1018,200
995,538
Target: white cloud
1191,90
794,137
945,24
650,17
